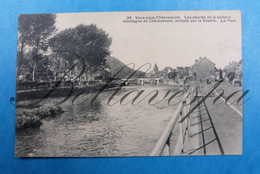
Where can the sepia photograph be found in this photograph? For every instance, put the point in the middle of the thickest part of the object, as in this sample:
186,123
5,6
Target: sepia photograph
120,84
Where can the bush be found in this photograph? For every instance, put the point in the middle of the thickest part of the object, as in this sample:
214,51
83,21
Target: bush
47,111
24,121
32,117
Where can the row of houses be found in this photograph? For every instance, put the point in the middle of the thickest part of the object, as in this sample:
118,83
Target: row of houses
169,73
202,69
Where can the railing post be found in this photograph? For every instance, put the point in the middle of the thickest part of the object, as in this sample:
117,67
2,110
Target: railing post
162,146
181,127
166,149
187,110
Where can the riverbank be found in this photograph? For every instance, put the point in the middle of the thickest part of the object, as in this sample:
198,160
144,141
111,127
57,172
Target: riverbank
33,117
39,93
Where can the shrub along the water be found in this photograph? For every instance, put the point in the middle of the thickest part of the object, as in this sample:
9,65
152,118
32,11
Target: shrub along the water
29,120
48,111
32,117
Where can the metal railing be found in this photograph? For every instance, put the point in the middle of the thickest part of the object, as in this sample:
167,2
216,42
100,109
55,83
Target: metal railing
163,146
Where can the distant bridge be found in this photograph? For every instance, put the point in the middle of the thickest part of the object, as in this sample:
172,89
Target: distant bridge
154,80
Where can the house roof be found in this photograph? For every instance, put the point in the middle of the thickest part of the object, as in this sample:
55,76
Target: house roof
204,58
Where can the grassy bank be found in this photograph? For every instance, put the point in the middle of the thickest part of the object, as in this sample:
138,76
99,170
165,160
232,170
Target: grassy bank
32,117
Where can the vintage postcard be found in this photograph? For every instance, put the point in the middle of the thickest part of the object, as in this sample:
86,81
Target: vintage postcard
103,84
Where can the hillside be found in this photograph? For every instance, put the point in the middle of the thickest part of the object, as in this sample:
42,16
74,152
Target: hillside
116,65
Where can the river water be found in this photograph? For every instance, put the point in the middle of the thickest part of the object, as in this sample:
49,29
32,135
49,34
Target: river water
100,130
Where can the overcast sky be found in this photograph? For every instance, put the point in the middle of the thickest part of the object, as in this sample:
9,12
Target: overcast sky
167,44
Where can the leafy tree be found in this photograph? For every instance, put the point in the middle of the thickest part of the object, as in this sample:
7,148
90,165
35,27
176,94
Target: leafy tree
86,43
43,71
33,33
